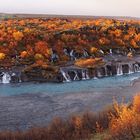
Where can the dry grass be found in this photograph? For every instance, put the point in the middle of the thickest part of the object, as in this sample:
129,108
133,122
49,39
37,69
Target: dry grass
121,122
80,127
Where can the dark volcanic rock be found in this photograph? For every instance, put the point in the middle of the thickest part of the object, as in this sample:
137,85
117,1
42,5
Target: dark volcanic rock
42,74
125,68
109,70
15,78
114,70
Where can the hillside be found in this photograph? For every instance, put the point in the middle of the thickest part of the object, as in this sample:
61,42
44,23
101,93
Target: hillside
9,15
40,45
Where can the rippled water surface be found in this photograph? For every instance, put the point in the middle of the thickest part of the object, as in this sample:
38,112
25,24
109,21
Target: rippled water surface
95,85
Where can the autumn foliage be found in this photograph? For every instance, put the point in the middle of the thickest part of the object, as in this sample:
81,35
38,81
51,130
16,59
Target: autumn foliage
30,36
78,127
89,63
119,122
126,125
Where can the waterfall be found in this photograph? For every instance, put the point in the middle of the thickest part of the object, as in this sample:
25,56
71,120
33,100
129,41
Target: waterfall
66,51
102,51
110,51
76,76
119,69
16,77
13,74
20,79
72,56
85,53
105,71
131,70
6,78
99,74
85,75
136,68
95,78
66,76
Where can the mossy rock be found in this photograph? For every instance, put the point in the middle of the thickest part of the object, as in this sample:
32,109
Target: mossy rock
41,73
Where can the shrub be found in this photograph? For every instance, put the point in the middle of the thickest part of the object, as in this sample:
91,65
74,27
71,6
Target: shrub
91,62
2,56
126,125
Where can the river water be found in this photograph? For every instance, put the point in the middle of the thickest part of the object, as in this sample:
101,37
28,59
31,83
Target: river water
94,85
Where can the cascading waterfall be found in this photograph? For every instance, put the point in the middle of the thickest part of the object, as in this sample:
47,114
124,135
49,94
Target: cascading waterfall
99,74
131,70
119,69
76,76
85,75
85,54
19,77
136,68
16,77
13,74
6,78
72,56
110,51
105,71
66,76
102,51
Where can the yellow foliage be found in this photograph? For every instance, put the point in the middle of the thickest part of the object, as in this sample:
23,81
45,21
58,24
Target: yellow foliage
39,56
93,50
48,52
103,41
130,55
27,30
126,121
118,32
126,37
24,54
91,62
2,56
136,103
18,35
133,43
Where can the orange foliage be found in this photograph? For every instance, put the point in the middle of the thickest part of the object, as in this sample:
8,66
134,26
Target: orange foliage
126,124
88,62
118,32
136,103
103,41
18,35
77,122
133,43
40,35
39,56
93,50
24,54
2,56
42,48
40,63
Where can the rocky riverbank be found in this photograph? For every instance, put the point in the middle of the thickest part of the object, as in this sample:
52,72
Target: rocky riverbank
111,65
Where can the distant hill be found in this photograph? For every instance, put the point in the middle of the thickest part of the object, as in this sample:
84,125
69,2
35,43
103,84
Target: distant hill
7,15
